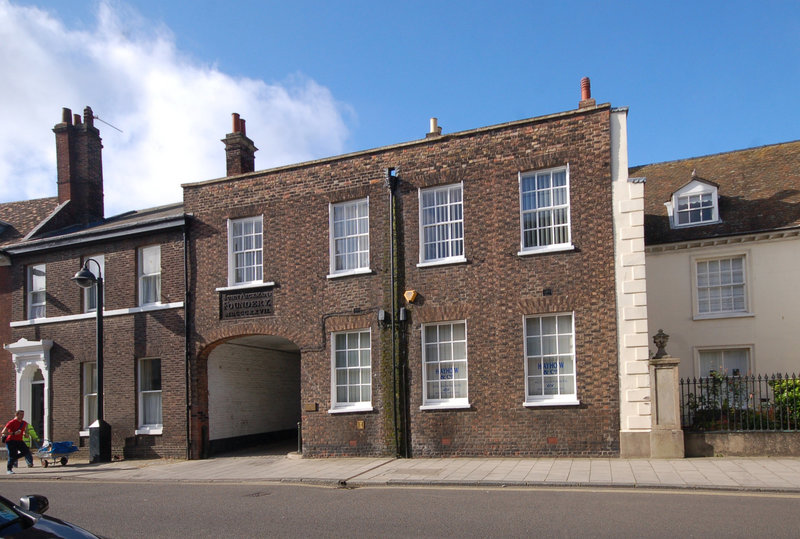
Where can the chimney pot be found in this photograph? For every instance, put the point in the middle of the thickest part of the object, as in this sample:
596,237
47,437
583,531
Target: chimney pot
77,119
244,127
88,116
586,94
436,129
66,116
237,124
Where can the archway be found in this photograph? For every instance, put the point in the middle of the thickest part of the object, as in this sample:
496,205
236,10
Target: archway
253,392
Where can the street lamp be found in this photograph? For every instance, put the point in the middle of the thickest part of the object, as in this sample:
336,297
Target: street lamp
99,431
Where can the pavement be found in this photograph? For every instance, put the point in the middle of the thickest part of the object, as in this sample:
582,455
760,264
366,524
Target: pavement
768,474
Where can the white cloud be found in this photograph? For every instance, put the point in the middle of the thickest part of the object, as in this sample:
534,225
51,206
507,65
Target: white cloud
173,110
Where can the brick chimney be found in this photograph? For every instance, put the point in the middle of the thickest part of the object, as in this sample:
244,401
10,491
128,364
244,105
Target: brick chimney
80,166
586,94
240,152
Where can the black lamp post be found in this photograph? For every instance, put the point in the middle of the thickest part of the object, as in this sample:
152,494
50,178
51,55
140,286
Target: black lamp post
99,431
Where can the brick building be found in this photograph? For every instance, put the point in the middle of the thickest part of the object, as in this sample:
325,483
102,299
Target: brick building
473,293
17,220
49,365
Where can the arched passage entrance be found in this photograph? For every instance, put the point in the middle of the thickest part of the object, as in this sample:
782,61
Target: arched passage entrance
253,392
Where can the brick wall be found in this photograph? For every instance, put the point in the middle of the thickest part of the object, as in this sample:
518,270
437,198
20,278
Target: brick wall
7,378
493,290
127,338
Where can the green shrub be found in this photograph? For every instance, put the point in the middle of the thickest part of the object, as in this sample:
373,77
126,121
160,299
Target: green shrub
786,394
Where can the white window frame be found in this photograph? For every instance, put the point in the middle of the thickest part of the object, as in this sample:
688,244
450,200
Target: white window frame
88,394
144,274
697,300
148,428
448,373
747,348
553,365
546,207
360,350
258,252
90,294
347,236
37,288
452,226
699,195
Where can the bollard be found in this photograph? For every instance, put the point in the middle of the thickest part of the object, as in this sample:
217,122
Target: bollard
299,437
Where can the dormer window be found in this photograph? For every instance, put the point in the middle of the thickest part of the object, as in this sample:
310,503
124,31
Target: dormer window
694,204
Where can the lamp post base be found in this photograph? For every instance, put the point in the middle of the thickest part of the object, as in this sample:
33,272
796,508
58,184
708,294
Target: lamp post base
99,442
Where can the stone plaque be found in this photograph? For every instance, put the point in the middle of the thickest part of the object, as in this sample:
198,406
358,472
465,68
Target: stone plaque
245,304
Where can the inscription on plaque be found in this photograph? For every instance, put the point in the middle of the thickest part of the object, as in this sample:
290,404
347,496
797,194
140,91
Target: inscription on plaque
245,304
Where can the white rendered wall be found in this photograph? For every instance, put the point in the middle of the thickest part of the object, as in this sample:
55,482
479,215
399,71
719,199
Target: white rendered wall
252,391
634,377
773,290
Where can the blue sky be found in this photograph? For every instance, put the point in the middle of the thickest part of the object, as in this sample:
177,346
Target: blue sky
315,79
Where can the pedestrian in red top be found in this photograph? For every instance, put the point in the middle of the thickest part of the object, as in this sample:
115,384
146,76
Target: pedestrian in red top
12,433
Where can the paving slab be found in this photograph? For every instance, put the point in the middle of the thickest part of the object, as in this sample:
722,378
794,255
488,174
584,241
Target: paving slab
739,474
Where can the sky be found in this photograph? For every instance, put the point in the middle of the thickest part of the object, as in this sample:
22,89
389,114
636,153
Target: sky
315,79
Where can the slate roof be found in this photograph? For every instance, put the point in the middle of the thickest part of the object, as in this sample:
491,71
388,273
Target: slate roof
132,222
759,190
19,218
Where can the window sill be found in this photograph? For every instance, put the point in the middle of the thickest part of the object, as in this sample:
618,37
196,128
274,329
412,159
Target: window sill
349,273
244,286
551,402
149,431
443,262
545,250
446,406
715,316
352,409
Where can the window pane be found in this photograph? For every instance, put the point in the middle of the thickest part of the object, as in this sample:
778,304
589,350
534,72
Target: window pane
535,386
151,259
151,406
90,377
720,285
445,369
150,392
246,250
350,235
551,366
150,374
545,207
351,357
441,218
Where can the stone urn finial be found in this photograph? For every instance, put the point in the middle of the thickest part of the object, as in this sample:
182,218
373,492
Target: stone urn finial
660,339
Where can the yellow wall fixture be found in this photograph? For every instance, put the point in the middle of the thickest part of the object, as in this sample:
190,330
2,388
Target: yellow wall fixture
410,295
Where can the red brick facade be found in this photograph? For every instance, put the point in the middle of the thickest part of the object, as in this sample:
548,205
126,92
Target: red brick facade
128,338
7,389
492,291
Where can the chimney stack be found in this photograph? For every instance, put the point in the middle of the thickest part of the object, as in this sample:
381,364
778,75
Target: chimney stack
586,94
240,152
80,166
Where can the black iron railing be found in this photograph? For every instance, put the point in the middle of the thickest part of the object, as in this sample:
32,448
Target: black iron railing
741,403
